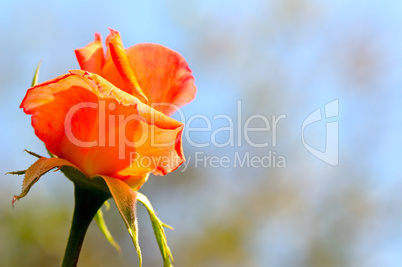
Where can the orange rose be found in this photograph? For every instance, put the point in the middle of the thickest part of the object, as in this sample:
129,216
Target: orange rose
112,117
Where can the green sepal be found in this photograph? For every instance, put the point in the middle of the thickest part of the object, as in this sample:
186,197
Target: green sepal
17,172
102,226
107,205
36,170
36,75
160,235
125,199
44,165
33,154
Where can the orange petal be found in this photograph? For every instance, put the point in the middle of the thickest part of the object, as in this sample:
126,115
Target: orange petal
122,64
83,118
135,182
163,74
158,143
91,57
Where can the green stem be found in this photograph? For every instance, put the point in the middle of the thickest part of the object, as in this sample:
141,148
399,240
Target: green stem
87,203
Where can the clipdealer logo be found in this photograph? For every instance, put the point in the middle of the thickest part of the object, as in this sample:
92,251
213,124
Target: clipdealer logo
330,154
238,133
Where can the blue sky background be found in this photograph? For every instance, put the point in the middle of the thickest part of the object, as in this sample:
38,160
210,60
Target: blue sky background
276,57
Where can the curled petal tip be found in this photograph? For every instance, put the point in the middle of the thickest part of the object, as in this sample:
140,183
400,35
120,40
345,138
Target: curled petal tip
98,36
113,31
